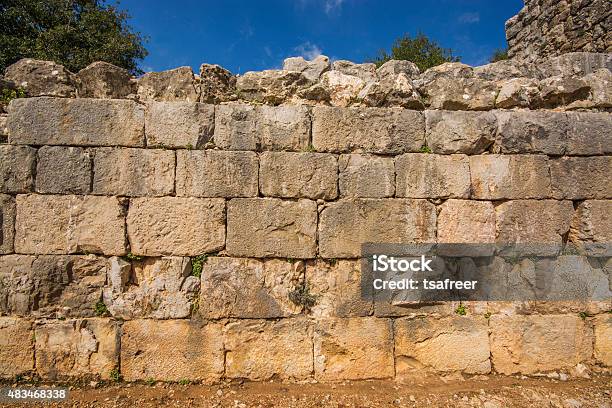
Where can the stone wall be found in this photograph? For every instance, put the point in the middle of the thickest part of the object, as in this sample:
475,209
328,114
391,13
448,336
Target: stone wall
164,238
545,28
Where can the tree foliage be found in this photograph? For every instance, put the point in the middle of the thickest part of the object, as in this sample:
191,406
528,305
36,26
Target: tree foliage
499,54
73,33
422,51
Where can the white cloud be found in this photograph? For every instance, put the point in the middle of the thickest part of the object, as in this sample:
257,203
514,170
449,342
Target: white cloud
308,50
331,6
469,18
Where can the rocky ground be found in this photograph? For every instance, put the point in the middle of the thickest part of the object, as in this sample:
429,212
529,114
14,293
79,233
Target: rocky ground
452,391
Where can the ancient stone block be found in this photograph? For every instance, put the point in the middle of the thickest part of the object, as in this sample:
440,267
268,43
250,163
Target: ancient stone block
285,229
497,177
176,226
450,132
603,344
172,85
249,288
298,175
262,349
336,287
216,173
63,170
217,84
50,224
76,348
16,348
366,176
171,350
17,166
531,132
440,345
345,225
312,69
42,78
532,344
353,349
464,221
133,172
105,81
592,226
7,223
179,124
81,122
272,86
372,130
247,127
341,89
422,175
588,133
578,178
517,92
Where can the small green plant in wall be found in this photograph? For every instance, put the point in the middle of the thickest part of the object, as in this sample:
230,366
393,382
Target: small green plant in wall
197,263
461,310
425,149
101,309
301,296
115,375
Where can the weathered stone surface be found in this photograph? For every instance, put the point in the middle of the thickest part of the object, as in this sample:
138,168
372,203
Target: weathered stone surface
176,226
63,170
372,130
16,348
353,349
17,166
41,78
346,224
246,127
298,175
588,133
173,85
559,91
395,67
591,227
84,122
105,81
464,221
518,92
603,334
216,173
217,84
422,175
497,177
171,350
574,64
392,90
600,83
531,132
7,223
133,172
419,344
179,124
262,349
459,132
366,176
76,348
312,70
504,69
249,288
270,86
366,71
581,177
285,229
532,344
51,224
336,287
342,89
157,288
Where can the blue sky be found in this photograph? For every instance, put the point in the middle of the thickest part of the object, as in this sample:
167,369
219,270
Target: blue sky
243,35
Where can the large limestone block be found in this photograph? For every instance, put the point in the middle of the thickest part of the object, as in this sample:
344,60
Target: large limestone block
450,132
51,224
262,349
7,223
16,347
249,288
347,224
588,133
172,85
341,89
272,86
353,349
298,175
81,122
465,221
247,127
592,226
578,178
42,78
371,130
76,348
366,176
63,170
176,226
133,172
532,344
603,339
106,81
497,177
422,175
216,173
312,69
270,227
455,343
179,124
17,167
217,84
336,287
171,350
531,132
